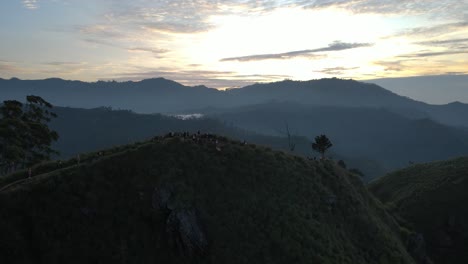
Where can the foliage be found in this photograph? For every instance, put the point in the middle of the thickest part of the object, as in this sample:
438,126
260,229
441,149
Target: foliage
257,206
342,164
432,198
25,137
321,144
357,172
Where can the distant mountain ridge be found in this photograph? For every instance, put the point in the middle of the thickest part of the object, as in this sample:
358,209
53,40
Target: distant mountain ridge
160,95
434,89
376,134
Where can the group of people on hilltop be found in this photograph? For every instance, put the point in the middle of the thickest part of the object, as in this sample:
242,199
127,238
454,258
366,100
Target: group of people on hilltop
198,137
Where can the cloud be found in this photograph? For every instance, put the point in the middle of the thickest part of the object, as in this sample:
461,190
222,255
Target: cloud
196,11
100,31
394,66
7,67
446,42
434,53
456,73
62,63
178,27
31,4
335,46
438,8
151,50
181,16
435,30
337,70
217,79
108,36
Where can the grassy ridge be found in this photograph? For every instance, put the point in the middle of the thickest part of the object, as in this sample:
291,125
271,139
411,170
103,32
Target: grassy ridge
256,205
432,198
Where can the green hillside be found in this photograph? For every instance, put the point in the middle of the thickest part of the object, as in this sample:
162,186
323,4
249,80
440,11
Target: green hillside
194,200
432,197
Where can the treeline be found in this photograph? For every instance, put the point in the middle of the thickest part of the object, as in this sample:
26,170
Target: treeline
25,137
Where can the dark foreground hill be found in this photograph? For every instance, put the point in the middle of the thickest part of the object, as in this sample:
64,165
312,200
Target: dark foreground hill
433,198
178,200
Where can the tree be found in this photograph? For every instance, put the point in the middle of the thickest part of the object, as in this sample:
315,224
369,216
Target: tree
342,164
357,172
321,144
39,137
25,138
291,143
11,129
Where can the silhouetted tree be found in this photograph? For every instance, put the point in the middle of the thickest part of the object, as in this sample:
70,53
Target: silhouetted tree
321,144
357,172
342,164
11,134
291,143
25,138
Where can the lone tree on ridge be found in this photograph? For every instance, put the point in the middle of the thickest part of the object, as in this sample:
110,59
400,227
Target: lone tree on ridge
321,145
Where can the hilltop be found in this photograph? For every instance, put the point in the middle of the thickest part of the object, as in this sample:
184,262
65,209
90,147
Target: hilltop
380,135
85,130
432,199
194,199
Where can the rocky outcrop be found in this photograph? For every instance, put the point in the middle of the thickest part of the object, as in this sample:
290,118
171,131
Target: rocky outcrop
185,232
417,248
161,198
183,226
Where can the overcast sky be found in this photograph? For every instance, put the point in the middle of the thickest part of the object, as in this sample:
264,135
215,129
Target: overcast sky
227,43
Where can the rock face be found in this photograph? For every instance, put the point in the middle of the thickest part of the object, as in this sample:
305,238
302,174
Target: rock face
183,226
417,248
185,232
161,198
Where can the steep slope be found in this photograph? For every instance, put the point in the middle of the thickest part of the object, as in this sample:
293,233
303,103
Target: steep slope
433,198
179,200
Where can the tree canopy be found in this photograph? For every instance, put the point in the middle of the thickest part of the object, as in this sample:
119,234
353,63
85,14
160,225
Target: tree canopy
25,137
321,144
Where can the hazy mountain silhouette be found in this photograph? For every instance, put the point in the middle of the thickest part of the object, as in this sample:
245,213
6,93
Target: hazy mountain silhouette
162,96
375,141
379,134
85,130
436,89
147,96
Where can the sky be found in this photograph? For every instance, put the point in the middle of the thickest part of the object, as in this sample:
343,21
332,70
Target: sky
231,43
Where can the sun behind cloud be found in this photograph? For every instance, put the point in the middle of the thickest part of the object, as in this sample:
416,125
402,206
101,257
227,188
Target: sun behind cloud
230,43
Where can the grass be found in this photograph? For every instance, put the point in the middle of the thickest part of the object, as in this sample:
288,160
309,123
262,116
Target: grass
256,205
431,199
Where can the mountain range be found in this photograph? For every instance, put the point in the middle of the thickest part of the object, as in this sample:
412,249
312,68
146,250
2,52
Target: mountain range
435,89
164,96
371,128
